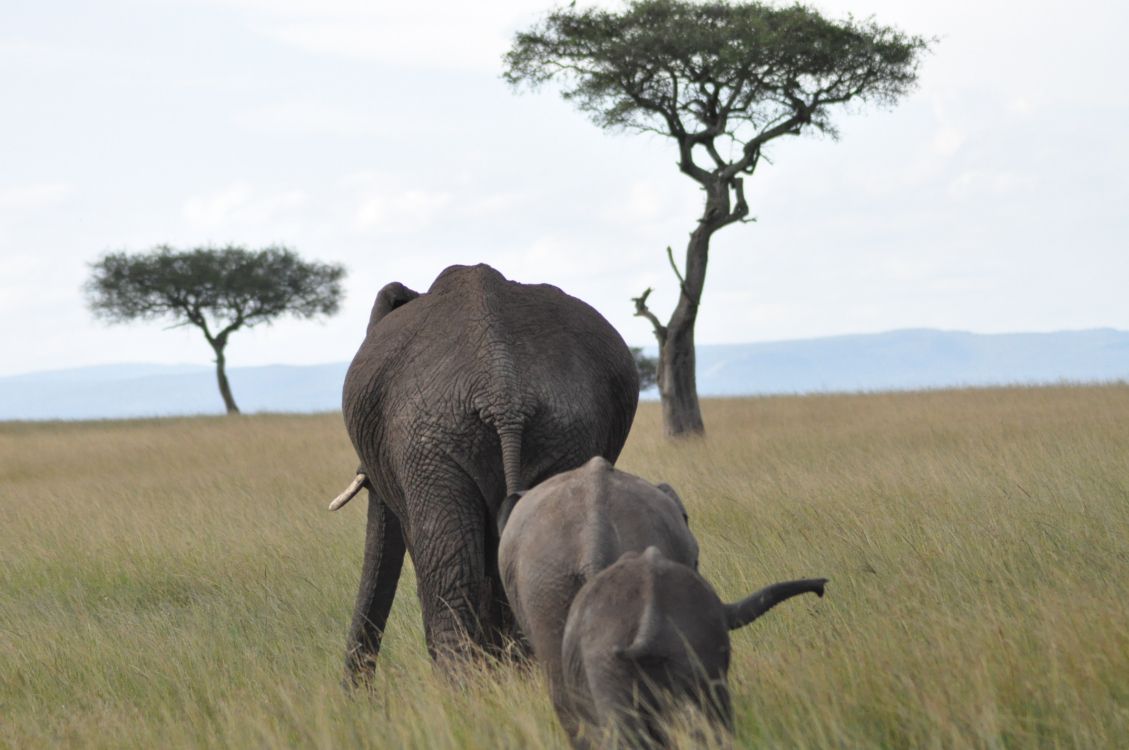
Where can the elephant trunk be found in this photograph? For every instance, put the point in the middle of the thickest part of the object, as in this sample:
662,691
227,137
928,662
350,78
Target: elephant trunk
739,614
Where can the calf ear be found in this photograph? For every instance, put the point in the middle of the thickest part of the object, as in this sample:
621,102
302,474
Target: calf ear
739,614
669,492
388,299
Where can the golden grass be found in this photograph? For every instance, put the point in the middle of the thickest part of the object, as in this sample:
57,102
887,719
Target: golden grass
179,582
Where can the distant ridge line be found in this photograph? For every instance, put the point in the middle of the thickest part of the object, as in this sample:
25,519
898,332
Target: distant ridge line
905,359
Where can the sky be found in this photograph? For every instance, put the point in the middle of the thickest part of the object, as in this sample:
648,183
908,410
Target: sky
381,136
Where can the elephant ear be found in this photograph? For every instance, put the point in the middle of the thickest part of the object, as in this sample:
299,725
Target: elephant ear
669,492
388,299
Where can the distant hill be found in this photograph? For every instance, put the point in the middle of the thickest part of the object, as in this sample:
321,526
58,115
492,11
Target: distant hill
898,360
146,390
913,359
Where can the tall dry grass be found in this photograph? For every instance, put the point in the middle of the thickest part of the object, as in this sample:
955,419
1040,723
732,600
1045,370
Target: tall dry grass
179,583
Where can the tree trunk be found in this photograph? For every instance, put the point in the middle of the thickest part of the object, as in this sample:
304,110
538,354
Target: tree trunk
677,383
677,380
221,377
678,387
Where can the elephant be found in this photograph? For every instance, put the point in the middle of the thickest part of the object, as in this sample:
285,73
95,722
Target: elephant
567,529
649,632
456,399
600,568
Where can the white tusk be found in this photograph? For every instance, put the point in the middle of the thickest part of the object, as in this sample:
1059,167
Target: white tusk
349,493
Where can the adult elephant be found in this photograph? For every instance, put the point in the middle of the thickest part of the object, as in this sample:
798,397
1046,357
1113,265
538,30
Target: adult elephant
456,400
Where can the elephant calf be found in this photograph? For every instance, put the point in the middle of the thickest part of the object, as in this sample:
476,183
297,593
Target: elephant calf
567,529
600,569
647,632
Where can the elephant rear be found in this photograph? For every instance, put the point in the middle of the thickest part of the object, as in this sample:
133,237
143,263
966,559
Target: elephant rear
519,381
456,398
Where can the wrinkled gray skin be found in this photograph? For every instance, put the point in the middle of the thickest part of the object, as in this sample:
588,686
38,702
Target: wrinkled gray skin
457,398
566,530
649,631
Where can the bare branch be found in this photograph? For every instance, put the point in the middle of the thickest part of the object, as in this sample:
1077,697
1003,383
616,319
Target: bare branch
688,166
642,311
752,147
740,206
677,273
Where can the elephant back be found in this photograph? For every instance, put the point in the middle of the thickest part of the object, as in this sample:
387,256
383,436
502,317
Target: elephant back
478,356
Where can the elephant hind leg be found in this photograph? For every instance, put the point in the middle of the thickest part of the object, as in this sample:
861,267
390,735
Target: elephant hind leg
505,638
453,578
384,556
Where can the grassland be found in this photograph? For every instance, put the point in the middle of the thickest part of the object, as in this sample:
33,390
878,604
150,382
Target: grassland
179,583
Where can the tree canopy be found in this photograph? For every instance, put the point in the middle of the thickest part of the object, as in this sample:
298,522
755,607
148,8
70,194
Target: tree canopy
714,74
218,290
723,79
233,284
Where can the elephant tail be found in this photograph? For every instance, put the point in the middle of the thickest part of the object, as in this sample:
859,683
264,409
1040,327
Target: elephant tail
510,439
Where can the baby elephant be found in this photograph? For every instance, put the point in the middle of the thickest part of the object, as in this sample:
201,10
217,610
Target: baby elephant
600,569
566,530
647,632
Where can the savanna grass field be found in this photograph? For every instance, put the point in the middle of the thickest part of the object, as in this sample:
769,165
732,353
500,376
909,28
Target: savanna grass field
179,582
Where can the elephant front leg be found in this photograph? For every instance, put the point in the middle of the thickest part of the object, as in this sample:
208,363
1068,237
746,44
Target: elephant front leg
384,556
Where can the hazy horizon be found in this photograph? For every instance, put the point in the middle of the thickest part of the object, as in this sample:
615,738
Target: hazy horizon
918,359
650,348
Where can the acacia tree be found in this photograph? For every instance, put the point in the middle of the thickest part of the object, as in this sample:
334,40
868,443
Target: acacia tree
722,80
218,290
647,367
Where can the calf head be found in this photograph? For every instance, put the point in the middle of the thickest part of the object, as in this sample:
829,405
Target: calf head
648,632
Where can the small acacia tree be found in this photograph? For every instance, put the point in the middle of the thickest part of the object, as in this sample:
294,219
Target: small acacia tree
648,368
218,290
722,80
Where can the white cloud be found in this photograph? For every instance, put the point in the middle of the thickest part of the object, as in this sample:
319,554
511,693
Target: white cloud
1021,105
240,204
213,209
387,203
947,141
386,210
979,182
32,197
419,42
645,202
309,118
490,204
550,257
449,34
948,136
20,53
